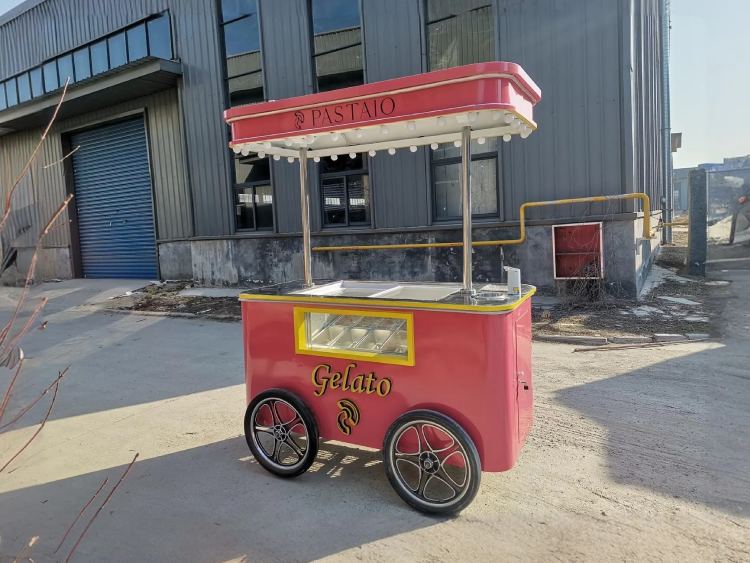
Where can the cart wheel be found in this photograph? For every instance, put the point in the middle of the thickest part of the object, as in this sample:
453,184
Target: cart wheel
432,462
281,433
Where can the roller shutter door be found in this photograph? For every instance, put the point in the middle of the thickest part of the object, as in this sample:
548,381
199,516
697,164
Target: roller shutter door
113,197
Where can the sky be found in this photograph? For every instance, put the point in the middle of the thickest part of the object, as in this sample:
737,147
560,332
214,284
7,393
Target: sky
709,78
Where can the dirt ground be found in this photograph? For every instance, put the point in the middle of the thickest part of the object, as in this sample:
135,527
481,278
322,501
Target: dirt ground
635,455
677,305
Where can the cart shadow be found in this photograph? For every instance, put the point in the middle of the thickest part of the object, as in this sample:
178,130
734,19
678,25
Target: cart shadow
215,503
678,427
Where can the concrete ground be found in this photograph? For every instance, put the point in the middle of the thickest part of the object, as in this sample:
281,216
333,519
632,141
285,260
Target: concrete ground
635,455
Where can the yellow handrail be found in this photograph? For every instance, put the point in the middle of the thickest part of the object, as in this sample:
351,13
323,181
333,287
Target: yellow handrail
522,217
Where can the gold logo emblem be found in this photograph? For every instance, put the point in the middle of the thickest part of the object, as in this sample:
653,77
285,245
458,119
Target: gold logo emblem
348,417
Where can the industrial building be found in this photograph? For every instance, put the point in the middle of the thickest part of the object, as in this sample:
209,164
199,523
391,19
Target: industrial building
158,193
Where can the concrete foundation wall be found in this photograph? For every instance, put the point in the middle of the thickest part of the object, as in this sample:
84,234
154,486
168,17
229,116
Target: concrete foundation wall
253,261
52,263
646,251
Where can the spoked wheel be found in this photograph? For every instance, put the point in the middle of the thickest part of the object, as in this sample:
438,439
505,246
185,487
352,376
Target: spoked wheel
281,433
432,462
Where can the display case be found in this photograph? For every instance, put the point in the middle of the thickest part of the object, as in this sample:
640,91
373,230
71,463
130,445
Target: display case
384,338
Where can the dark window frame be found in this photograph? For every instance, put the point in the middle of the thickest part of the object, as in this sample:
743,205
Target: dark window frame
314,55
428,23
237,187
475,157
344,174
225,71
105,39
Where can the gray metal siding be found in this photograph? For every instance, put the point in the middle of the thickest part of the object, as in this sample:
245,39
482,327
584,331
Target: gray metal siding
66,24
571,49
649,147
288,72
393,48
202,98
599,119
45,186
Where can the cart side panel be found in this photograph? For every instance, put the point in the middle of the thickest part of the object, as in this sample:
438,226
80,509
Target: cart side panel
523,369
464,366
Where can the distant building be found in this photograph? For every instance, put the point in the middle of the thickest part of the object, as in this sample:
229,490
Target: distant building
727,181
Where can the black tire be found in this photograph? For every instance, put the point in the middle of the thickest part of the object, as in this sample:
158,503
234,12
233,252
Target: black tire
281,432
427,462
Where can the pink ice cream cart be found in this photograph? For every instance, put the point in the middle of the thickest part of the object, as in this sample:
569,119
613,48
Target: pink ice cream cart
436,375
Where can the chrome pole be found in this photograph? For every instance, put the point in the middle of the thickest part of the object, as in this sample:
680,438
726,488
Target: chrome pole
304,194
468,288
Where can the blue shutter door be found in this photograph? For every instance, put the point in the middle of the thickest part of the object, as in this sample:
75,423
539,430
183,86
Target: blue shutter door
112,183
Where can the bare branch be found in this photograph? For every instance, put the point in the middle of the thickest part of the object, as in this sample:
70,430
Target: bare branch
60,160
32,266
36,433
31,405
30,161
6,397
80,513
7,349
98,510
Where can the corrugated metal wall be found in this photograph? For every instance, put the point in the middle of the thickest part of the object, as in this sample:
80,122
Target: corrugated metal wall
45,187
599,120
394,47
571,49
288,72
647,100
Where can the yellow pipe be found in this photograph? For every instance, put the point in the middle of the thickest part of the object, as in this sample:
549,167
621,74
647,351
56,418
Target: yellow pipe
522,218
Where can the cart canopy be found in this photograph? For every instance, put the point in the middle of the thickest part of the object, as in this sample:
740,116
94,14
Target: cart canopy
494,99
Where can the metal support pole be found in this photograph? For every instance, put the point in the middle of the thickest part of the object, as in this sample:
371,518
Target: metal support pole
304,194
468,288
697,212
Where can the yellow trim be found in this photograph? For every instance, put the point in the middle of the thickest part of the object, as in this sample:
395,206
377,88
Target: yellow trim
390,304
301,345
522,218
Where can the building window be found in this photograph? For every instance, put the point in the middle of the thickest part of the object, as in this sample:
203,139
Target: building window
11,94
137,43
459,32
146,38
253,193
99,57
446,178
3,101
37,82
118,50
49,70
65,69
24,88
337,43
240,28
160,37
82,64
345,192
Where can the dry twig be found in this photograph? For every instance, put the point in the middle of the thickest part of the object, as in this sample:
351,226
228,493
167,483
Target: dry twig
61,160
80,513
98,510
27,167
32,267
38,430
30,406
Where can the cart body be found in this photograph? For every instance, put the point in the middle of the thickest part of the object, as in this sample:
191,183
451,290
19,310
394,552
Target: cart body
470,362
